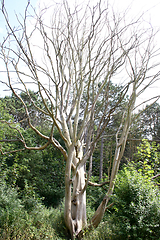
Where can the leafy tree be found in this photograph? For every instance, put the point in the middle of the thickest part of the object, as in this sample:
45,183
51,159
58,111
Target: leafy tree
147,158
104,152
150,122
136,206
145,125
82,49
16,108
43,171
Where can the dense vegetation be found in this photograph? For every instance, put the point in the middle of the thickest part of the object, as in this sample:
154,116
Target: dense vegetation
32,182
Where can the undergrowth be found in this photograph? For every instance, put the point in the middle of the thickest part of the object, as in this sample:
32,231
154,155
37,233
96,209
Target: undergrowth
135,214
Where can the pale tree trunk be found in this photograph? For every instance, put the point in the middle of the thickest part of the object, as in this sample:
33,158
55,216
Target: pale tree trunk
90,170
75,194
78,205
101,160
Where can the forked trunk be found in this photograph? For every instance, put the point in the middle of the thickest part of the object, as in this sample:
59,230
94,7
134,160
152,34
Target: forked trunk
78,205
75,197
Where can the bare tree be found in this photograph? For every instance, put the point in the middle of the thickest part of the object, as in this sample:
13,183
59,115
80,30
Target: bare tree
70,62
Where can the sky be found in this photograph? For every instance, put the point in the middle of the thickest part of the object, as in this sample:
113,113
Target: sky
151,8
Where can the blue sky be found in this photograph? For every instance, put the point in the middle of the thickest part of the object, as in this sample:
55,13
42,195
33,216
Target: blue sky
151,7
13,6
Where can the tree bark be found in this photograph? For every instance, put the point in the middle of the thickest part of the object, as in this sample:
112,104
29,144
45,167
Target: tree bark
75,195
101,160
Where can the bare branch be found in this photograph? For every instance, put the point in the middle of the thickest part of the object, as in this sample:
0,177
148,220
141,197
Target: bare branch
97,184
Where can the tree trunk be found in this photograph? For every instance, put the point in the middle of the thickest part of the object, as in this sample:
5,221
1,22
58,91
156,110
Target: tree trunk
101,160
75,196
78,202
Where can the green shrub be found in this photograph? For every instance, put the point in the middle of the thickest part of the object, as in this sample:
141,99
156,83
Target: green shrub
56,219
18,223
137,207
10,206
102,232
147,159
96,194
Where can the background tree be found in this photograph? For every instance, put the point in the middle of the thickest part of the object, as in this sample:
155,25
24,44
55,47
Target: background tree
15,108
82,47
147,159
145,125
149,122
42,170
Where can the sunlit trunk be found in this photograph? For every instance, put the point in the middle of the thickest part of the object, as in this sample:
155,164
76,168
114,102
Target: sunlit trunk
75,196
78,202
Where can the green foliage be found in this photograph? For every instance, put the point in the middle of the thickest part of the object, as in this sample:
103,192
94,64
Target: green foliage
95,194
102,232
145,125
10,205
34,223
136,207
41,170
147,158
149,121
15,108
39,175
8,133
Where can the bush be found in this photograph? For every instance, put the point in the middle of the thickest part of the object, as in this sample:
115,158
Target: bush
18,223
137,207
11,209
96,194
